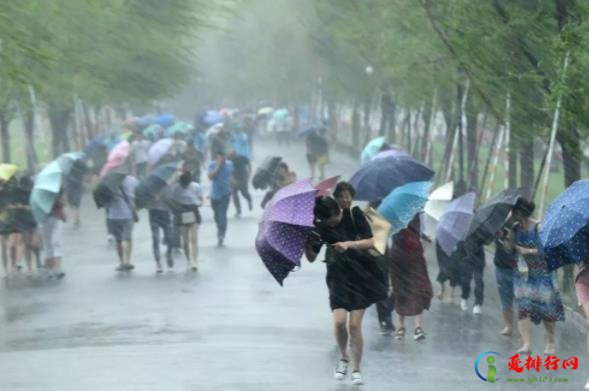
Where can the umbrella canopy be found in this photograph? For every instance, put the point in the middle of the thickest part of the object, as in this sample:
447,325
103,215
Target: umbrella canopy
108,185
265,172
165,119
211,118
378,178
7,171
403,203
265,111
150,187
371,149
439,200
179,127
287,220
117,157
308,130
455,222
126,135
565,228
153,130
280,114
393,152
214,130
147,120
324,187
491,216
45,191
158,150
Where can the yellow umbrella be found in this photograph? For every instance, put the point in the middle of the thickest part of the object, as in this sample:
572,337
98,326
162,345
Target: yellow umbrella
7,171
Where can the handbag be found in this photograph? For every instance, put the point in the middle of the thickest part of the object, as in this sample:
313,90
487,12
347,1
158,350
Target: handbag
188,217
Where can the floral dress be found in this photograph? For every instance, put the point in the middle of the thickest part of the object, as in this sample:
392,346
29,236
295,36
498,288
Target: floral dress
538,296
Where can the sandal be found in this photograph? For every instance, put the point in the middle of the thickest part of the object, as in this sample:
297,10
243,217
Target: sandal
400,334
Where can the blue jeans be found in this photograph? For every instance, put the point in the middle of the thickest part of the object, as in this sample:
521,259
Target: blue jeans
504,279
220,207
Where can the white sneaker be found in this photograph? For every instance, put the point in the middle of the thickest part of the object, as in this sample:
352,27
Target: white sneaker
357,378
193,266
476,310
341,369
587,385
463,305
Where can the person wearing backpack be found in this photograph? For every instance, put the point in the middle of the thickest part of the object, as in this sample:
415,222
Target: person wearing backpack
121,216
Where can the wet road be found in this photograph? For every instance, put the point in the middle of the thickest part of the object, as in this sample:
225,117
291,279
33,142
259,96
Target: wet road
230,326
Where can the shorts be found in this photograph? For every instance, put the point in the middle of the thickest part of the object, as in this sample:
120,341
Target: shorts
582,286
74,196
121,229
504,278
51,237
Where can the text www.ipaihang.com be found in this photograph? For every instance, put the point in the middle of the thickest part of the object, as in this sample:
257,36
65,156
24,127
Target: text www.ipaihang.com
541,379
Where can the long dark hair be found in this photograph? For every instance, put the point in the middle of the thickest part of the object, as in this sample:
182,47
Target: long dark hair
524,207
325,208
344,186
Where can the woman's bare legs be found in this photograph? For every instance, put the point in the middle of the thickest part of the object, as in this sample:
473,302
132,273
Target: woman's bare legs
356,339
340,324
550,337
525,329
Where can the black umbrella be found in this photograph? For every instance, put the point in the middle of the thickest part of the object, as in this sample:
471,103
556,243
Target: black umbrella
491,216
263,176
108,185
150,187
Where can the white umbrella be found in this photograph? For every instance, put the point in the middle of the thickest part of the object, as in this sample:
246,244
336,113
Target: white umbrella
439,200
265,111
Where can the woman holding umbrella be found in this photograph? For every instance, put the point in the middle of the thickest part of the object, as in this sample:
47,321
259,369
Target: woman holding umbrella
351,290
51,237
537,297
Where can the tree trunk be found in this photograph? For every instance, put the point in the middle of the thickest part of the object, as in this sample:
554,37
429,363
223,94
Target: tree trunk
29,123
366,120
385,105
449,118
5,132
512,163
568,138
427,113
460,91
472,149
526,163
59,120
392,129
355,127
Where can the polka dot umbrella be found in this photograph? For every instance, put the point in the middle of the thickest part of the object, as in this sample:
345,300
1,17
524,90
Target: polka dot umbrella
287,220
564,232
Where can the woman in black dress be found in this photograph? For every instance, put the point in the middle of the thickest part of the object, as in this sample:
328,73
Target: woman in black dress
350,280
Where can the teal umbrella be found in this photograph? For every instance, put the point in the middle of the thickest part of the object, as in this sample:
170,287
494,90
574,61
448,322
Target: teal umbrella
46,190
401,205
152,130
179,127
66,161
371,149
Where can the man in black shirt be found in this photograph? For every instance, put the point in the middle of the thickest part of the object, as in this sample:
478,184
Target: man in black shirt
240,181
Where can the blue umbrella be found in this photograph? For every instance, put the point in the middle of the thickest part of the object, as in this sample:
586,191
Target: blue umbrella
308,130
45,191
150,187
211,117
565,229
378,178
164,120
455,222
404,203
371,149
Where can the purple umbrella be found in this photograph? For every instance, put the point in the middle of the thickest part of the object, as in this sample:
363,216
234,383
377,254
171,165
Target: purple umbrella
159,150
455,222
391,153
286,222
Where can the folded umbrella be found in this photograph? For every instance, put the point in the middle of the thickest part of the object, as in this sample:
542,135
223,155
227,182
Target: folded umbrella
371,149
325,186
117,157
7,171
150,187
45,191
491,216
403,203
158,150
454,222
285,225
439,200
376,179
564,231
265,172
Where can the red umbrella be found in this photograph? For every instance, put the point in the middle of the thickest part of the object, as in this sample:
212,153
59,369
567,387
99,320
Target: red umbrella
117,157
325,186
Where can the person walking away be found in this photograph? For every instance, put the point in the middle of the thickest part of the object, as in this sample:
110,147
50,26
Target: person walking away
472,266
447,273
282,177
186,197
121,217
536,293
193,162
74,189
348,237
220,173
25,223
4,226
411,285
160,219
505,261
249,127
240,143
317,153
140,147
14,242
52,237
240,181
